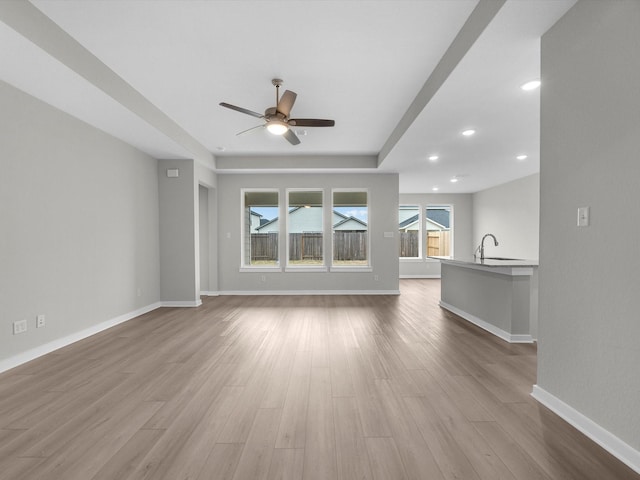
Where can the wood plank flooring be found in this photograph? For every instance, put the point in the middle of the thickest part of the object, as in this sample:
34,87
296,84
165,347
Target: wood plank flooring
291,388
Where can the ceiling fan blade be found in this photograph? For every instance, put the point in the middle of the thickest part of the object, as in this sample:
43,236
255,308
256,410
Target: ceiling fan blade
291,137
311,122
241,110
286,102
249,129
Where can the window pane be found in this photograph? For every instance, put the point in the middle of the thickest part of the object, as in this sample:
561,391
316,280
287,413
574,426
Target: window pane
261,228
439,230
350,228
409,231
304,224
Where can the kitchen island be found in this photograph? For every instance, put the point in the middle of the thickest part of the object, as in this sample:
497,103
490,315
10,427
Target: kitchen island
499,295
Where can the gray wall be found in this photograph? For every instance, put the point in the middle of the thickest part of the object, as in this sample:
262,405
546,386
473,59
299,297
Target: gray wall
462,223
206,180
179,253
78,224
383,217
589,330
204,250
512,213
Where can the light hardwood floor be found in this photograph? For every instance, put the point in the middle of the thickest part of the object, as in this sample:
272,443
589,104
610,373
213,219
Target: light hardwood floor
291,387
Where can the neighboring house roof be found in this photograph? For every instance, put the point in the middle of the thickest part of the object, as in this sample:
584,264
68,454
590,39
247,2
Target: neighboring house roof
341,221
440,216
436,225
409,221
413,226
264,222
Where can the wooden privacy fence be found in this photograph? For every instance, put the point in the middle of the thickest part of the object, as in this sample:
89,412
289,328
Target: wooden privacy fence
438,242
409,244
305,246
308,246
264,246
349,245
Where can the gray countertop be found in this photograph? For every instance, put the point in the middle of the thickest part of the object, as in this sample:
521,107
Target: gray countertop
488,262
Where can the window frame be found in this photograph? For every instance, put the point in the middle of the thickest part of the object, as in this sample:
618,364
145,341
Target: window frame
449,206
305,268
351,268
419,257
248,267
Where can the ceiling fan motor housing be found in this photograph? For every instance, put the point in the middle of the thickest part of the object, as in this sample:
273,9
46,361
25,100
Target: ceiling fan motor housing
271,113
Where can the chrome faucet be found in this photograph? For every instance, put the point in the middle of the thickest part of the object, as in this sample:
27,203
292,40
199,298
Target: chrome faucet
481,247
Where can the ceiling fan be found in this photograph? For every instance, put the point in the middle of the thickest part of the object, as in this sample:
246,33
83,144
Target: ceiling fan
277,118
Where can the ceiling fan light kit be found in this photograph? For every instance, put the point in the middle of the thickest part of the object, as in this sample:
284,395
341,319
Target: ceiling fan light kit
277,127
277,118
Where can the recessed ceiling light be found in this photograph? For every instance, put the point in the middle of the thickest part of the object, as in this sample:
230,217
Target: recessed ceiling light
433,158
468,133
453,180
221,149
435,189
532,85
521,157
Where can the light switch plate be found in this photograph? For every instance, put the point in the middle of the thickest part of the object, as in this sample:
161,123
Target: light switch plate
583,216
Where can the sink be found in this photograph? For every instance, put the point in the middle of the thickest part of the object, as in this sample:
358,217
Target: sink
501,258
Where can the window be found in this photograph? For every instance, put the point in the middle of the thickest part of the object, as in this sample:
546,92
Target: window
350,228
439,227
305,228
409,231
260,228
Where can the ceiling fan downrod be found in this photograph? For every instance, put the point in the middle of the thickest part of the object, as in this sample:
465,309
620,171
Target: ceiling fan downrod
277,82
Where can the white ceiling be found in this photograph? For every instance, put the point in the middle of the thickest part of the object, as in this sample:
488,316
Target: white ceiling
361,63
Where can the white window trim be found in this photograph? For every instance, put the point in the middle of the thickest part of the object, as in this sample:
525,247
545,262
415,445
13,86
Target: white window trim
306,268
420,256
451,227
350,269
260,269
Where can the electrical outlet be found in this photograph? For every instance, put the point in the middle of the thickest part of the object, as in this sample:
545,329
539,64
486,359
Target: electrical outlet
40,321
263,278
19,326
376,278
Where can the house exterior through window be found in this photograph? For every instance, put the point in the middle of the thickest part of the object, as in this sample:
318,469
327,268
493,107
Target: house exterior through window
259,244
350,229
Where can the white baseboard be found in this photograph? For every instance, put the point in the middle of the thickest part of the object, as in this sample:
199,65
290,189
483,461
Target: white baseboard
498,332
612,444
310,292
36,352
182,303
419,276
209,293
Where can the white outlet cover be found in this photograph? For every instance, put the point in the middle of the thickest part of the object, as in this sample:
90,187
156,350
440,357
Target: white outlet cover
19,326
